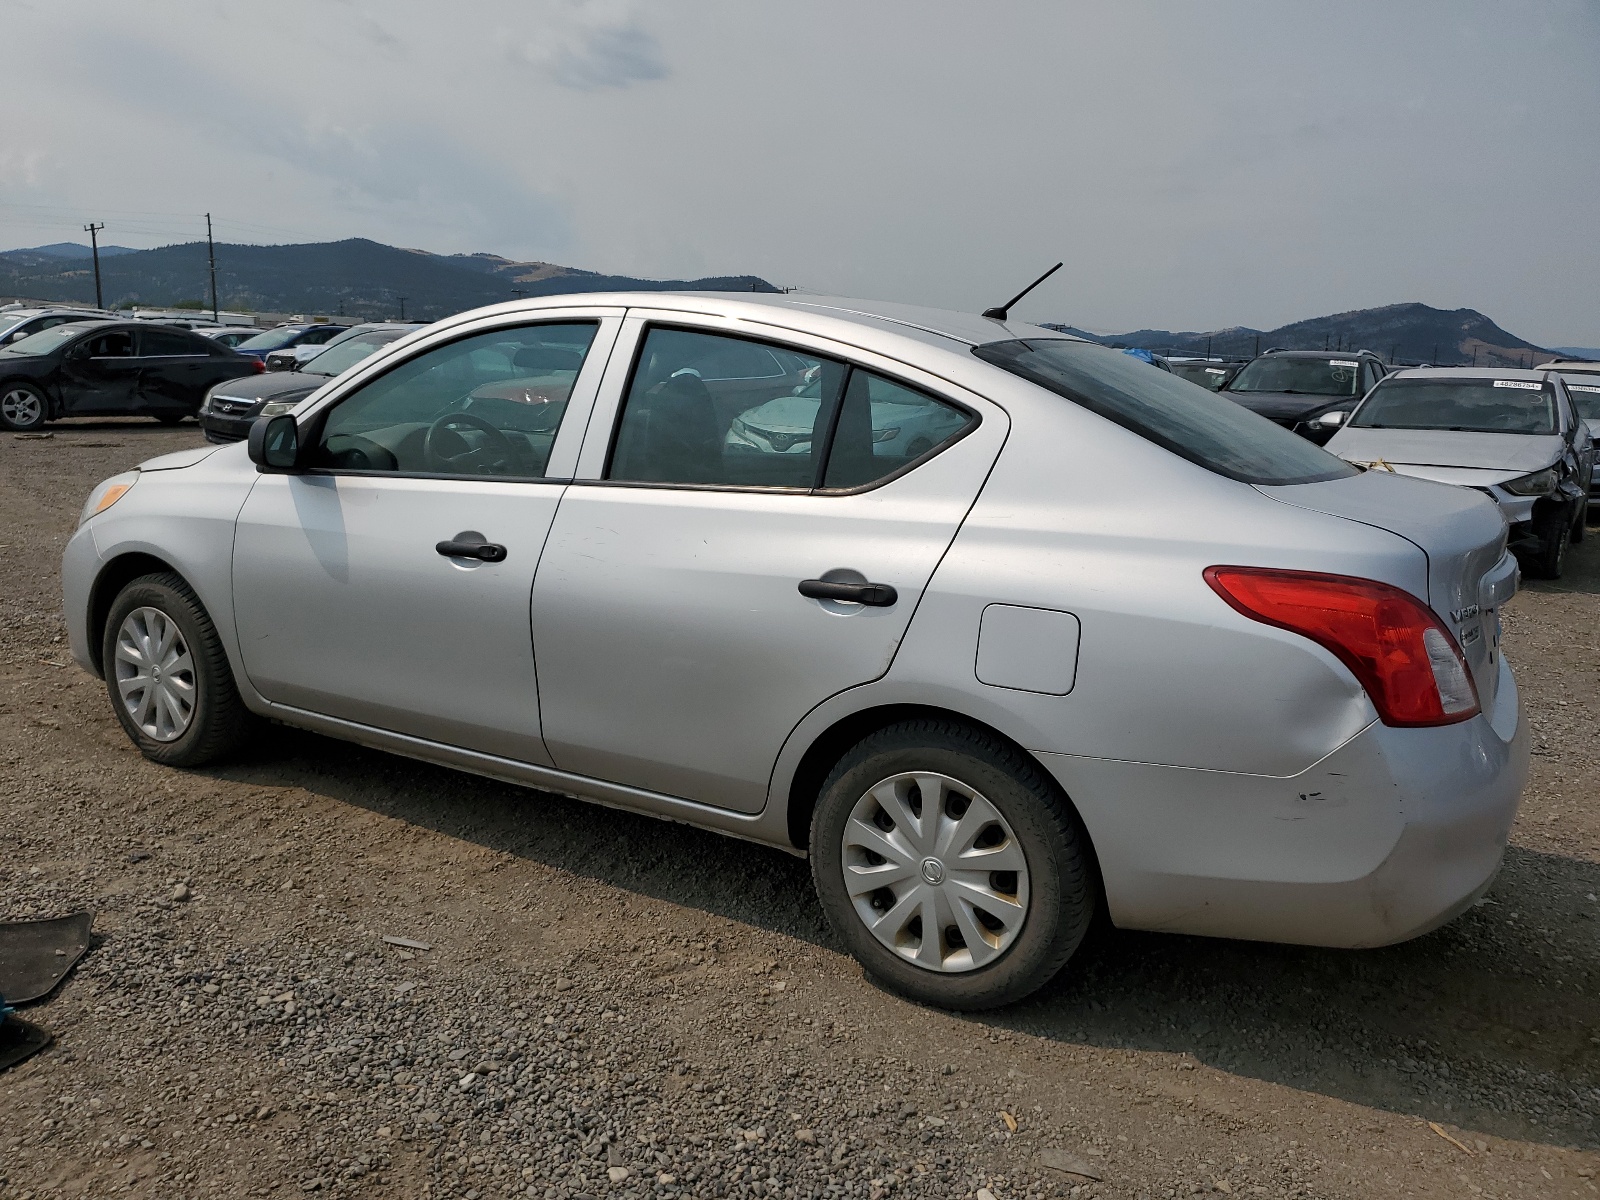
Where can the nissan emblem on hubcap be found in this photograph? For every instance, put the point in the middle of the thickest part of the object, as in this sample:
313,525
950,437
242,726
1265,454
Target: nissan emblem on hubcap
933,871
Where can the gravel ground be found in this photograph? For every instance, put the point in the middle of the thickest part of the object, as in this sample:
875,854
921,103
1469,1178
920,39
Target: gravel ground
611,1007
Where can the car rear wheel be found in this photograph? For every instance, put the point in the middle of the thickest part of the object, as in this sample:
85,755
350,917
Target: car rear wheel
170,418
23,407
167,675
951,865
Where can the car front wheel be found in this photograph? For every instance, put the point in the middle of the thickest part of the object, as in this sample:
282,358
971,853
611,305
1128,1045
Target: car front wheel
168,677
23,407
951,865
1553,529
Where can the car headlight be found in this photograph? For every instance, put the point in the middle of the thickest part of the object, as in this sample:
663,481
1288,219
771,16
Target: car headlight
273,408
107,493
1540,483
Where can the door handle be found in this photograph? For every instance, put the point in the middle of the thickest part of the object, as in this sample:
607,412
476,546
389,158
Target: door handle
873,595
472,546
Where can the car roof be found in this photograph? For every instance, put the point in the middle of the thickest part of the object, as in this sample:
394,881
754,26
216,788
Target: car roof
1578,366
1536,375
1277,353
931,326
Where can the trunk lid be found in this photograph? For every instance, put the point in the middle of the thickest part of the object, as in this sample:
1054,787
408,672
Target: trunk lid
1463,536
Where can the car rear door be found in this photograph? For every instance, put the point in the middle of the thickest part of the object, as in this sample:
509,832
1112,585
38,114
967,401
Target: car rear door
100,374
175,369
676,650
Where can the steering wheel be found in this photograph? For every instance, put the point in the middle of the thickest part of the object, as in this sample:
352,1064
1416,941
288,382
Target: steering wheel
496,452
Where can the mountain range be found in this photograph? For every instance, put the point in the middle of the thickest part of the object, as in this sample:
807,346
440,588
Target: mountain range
1406,333
353,278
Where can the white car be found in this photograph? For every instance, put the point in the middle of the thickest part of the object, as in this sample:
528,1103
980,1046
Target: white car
1113,642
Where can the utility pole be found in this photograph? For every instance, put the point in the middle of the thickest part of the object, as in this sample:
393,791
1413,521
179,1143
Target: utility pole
211,260
1208,345
1393,350
1435,359
403,300
519,293
93,231
1258,346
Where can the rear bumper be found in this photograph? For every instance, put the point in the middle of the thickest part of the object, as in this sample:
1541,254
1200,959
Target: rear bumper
1392,835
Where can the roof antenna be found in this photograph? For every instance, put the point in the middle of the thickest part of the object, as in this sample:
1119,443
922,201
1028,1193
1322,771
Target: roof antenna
1001,313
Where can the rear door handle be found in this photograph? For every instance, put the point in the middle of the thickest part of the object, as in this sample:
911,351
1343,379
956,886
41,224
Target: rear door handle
472,545
873,595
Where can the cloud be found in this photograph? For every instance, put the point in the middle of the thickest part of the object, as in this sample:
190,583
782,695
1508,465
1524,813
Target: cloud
589,45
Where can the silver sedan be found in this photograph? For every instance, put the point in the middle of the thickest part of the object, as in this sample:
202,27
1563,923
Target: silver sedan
1100,640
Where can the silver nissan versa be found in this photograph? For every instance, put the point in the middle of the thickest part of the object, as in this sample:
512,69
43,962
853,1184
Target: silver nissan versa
995,625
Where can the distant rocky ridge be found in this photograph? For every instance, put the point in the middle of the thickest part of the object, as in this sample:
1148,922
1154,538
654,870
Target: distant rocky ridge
1408,333
353,278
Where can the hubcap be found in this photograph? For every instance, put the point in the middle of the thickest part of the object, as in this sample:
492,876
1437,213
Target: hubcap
20,407
155,674
935,872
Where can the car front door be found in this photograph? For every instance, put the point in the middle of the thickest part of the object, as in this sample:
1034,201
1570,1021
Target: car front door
360,591
100,374
676,647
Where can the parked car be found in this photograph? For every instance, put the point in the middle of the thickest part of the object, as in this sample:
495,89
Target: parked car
1513,435
1582,378
18,323
232,406
1112,641
284,336
111,368
1210,373
1299,389
230,335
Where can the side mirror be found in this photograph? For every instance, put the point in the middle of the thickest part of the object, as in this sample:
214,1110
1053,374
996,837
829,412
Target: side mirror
1332,420
275,442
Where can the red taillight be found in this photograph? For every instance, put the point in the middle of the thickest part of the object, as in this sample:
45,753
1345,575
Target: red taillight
259,365
1401,653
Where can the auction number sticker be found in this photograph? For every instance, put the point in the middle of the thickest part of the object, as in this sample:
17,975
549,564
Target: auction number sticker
1220,371
1523,384
1582,387
1342,362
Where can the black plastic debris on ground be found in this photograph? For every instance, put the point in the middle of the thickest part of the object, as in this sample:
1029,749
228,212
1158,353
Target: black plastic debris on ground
35,957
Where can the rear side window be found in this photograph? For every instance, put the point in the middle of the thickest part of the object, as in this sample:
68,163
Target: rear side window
167,343
1204,427
718,411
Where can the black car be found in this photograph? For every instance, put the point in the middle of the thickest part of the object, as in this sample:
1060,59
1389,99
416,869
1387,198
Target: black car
232,407
1295,387
111,368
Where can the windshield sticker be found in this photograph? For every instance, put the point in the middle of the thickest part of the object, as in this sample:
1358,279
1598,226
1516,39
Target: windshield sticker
1582,387
1220,371
1519,383
1342,362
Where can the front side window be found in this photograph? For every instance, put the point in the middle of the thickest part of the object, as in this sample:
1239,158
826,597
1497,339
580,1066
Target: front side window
1460,405
1332,376
116,344
489,405
317,337
1204,427
722,411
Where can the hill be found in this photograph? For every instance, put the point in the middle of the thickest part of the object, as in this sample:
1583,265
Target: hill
1413,333
356,277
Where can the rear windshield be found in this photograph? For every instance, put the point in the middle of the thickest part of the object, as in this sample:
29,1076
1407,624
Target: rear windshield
1183,417
1333,376
1462,405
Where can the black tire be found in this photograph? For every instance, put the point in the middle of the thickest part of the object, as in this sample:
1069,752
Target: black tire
1580,523
219,722
1063,882
1553,528
171,418
23,407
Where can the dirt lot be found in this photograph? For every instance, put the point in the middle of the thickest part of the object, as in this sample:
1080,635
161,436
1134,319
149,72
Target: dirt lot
615,1007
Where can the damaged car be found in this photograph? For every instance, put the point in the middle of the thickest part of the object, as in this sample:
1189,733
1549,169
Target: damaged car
1513,435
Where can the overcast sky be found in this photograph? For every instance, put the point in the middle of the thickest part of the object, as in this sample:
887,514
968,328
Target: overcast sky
1196,165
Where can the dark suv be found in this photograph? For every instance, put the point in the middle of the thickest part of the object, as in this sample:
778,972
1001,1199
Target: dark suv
1308,391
